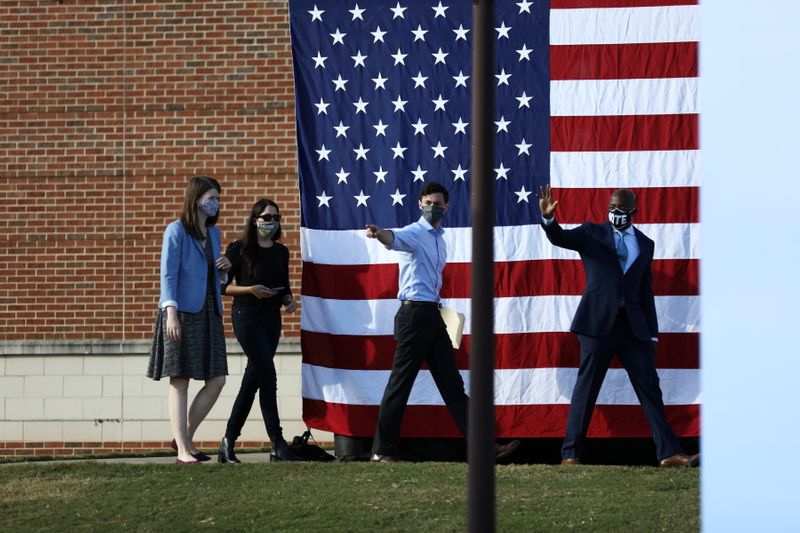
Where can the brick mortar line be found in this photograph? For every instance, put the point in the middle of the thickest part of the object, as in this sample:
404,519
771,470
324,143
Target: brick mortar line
75,448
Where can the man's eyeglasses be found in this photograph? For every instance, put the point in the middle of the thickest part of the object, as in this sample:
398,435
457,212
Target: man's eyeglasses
269,218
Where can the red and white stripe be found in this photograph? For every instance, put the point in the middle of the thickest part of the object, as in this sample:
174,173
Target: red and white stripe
624,114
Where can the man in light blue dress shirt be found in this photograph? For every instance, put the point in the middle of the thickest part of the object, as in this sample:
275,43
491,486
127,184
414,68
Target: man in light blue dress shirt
418,326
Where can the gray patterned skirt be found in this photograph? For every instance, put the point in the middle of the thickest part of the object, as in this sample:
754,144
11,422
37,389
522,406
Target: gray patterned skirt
200,354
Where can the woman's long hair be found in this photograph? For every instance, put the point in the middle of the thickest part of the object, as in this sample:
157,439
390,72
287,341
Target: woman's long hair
250,236
195,189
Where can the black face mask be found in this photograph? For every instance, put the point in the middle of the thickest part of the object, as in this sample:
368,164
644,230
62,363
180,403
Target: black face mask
432,213
620,219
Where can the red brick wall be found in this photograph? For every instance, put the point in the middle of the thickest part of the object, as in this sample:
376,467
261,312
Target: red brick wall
106,109
19,449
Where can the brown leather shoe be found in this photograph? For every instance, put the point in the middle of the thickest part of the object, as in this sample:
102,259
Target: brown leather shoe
571,461
384,459
680,460
501,451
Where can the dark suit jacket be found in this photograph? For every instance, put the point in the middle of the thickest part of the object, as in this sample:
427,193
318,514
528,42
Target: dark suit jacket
606,285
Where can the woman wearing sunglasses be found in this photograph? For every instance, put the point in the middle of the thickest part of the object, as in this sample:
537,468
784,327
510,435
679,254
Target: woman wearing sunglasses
259,284
189,338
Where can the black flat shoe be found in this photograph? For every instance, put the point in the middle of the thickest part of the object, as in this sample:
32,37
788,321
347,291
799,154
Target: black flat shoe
226,455
200,456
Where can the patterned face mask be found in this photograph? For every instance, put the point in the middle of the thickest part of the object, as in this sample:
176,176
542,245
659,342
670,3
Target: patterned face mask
267,229
432,213
209,207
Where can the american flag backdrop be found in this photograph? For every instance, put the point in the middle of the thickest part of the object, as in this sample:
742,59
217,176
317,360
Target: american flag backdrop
590,96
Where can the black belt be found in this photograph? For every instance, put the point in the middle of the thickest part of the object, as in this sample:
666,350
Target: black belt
412,303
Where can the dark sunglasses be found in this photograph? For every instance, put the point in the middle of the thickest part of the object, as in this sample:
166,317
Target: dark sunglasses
269,218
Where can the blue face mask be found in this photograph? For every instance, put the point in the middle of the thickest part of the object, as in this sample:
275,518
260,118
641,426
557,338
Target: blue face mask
209,207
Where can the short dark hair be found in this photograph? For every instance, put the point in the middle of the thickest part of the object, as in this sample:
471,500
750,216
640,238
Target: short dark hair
627,196
432,187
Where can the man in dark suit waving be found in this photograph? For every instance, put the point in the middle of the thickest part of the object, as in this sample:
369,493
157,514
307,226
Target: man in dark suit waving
616,315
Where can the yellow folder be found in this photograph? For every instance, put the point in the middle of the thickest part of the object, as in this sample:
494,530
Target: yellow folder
455,325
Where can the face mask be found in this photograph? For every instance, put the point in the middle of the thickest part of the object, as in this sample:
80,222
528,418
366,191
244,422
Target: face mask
620,219
432,213
267,229
209,207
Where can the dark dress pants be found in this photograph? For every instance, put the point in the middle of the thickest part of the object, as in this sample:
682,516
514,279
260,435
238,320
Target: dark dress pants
258,330
421,336
639,359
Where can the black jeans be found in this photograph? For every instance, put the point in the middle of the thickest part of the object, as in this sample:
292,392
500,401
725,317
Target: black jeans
421,336
258,331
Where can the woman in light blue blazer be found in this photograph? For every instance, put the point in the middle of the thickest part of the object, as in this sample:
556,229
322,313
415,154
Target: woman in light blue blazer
189,338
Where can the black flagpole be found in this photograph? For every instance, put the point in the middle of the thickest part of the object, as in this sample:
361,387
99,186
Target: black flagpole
480,441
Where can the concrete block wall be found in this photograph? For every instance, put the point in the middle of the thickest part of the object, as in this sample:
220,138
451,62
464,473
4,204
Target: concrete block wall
62,398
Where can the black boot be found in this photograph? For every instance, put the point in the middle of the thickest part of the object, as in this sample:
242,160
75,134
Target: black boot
226,454
281,452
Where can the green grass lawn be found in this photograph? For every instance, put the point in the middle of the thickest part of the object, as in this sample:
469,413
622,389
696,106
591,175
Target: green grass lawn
340,497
